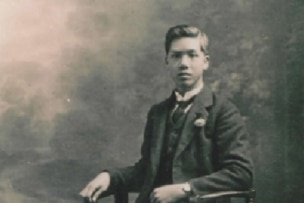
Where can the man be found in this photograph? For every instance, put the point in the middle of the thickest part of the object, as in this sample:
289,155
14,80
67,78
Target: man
194,143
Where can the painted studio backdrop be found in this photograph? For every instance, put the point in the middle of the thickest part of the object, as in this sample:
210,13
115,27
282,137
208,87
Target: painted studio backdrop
78,77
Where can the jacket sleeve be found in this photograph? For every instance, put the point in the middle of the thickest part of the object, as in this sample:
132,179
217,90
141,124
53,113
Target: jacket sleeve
131,178
231,156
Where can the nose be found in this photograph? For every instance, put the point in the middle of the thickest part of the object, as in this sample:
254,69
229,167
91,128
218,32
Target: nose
184,61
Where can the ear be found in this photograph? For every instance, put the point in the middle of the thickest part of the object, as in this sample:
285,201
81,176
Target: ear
206,59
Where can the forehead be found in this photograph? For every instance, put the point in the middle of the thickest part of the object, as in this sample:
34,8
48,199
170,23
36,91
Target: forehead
185,44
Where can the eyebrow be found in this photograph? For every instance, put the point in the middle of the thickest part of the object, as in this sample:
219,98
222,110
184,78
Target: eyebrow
181,52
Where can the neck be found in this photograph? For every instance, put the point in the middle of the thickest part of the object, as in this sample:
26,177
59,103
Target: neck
183,90
186,96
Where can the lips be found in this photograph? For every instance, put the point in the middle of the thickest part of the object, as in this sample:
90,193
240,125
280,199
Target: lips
184,75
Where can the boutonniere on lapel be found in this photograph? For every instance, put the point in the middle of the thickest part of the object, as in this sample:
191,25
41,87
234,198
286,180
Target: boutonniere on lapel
199,121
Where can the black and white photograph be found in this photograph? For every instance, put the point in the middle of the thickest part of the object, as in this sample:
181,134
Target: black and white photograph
164,101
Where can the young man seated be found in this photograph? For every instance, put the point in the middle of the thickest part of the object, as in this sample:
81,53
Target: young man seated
195,142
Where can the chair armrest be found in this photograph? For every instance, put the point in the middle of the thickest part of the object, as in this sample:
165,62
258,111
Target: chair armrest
249,195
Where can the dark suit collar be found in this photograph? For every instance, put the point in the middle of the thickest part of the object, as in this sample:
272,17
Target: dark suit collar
205,97
203,100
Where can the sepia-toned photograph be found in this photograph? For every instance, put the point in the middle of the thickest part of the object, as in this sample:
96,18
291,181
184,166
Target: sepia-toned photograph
138,101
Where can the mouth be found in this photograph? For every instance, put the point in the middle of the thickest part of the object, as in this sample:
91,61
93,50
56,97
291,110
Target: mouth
184,75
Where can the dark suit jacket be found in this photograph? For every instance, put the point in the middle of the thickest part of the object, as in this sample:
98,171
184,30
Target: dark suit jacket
214,157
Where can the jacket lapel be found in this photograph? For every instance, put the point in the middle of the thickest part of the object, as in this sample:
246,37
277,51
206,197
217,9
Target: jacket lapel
201,102
159,129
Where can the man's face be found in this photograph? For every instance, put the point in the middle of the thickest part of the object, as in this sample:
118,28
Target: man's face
186,63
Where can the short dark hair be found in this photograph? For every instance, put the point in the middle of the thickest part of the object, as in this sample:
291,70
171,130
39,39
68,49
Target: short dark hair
180,31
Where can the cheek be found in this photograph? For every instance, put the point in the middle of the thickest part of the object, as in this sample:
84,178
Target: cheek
172,67
171,70
198,67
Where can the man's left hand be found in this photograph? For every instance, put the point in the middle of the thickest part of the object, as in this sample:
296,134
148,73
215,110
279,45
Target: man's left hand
168,194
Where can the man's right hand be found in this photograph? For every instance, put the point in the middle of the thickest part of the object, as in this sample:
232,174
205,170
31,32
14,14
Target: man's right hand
96,187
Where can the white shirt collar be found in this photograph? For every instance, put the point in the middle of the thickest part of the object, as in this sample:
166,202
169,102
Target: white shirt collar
188,95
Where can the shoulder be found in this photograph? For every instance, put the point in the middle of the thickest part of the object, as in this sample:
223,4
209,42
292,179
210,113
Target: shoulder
226,112
223,102
222,108
161,106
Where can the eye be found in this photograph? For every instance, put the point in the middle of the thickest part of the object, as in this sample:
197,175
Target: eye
176,55
192,55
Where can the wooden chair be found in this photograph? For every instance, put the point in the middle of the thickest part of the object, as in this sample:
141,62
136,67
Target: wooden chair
248,196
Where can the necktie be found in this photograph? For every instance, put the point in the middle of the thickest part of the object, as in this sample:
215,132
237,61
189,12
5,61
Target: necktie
180,110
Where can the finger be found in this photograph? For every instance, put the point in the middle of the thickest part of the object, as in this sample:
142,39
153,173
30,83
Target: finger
87,191
97,194
91,190
84,192
91,193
